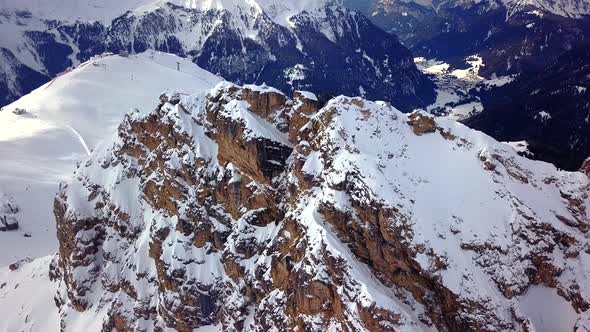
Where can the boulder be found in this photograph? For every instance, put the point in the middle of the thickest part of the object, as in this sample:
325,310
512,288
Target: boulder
422,123
8,223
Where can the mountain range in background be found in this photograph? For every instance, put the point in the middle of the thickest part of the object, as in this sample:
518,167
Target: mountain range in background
326,48
550,110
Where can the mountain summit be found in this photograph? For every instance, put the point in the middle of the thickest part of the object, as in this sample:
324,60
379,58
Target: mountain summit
240,209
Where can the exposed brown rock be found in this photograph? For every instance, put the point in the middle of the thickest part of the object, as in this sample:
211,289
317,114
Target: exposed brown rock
303,109
75,253
377,319
260,157
264,103
545,272
421,123
585,168
375,242
572,294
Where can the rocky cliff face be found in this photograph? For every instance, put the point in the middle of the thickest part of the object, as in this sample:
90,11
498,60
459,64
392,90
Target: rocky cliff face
321,47
246,210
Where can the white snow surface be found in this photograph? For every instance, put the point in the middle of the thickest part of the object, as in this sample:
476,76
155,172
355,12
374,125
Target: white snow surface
521,147
26,298
548,311
65,119
308,95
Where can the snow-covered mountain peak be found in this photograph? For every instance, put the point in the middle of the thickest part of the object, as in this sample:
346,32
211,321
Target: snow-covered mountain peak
289,5
241,209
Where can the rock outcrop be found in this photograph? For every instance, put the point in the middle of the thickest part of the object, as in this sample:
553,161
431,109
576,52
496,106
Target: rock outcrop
248,211
9,211
585,168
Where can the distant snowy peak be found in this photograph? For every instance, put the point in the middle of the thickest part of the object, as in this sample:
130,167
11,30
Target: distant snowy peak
106,10
565,8
279,11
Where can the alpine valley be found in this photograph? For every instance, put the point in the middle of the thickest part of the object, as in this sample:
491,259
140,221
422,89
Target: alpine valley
542,45
266,165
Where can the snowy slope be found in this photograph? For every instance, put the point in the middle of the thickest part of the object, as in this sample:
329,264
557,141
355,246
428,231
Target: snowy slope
27,298
64,120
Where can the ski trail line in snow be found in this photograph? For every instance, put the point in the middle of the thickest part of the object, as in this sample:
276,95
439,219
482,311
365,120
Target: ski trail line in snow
80,138
50,83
